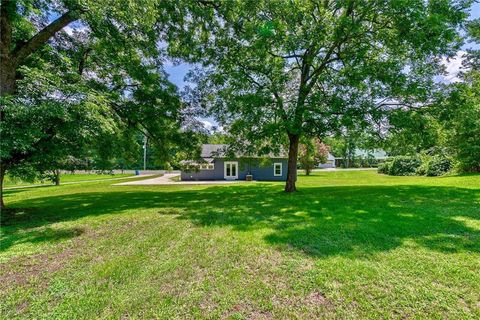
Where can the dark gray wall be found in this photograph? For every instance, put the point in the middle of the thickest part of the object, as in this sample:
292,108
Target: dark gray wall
260,171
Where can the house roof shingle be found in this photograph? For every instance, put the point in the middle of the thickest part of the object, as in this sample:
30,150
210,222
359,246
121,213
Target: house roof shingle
220,150
213,150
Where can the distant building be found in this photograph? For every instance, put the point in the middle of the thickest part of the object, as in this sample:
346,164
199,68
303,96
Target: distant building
216,165
362,158
330,163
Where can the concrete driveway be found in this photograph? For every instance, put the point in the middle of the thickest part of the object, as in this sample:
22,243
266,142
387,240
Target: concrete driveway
166,180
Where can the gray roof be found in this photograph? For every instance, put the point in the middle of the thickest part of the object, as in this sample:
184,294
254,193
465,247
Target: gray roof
375,153
378,154
220,150
213,150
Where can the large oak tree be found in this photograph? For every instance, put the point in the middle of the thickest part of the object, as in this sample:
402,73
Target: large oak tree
63,88
276,70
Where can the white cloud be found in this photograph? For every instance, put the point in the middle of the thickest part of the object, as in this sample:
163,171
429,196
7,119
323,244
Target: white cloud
207,124
79,28
210,125
68,30
453,67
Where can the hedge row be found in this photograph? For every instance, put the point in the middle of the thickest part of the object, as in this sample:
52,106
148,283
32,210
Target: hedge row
416,165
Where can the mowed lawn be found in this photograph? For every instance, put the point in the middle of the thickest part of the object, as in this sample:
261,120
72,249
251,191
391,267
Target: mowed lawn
347,245
65,178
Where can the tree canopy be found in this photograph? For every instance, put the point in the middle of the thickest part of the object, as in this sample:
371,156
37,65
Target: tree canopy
274,71
78,76
448,125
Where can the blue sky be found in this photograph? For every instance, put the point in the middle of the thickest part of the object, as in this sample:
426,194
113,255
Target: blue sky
176,74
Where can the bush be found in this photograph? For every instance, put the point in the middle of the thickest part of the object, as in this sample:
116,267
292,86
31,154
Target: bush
425,159
385,167
400,166
438,165
423,165
422,169
404,166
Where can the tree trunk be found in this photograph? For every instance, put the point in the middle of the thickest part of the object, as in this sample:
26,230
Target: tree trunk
7,77
57,177
7,61
292,163
2,177
307,171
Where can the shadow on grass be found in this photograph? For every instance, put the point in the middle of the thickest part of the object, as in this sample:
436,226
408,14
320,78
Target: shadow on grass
36,236
319,221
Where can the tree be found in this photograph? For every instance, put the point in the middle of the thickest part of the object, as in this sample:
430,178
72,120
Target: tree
458,114
449,125
344,144
101,78
279,70
311,153
461,110
217,138
463,124
14,48
413,131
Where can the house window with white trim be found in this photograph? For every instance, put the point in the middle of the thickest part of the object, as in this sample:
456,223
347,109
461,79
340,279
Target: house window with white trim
277,169
207,166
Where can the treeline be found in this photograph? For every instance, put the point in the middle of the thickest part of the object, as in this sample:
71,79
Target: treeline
443,136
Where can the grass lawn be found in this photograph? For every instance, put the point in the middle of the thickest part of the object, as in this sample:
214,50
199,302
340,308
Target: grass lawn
348,245
9,182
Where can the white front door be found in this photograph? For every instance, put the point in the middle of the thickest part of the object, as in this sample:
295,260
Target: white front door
230,170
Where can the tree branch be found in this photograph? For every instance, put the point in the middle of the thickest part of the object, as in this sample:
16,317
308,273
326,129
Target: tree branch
288,56
23,51
83,58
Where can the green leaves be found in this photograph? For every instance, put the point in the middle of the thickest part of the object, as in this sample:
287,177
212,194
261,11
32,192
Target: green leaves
92,89
321,63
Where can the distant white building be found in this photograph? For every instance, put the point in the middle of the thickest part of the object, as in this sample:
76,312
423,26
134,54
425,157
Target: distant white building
330,162
378,155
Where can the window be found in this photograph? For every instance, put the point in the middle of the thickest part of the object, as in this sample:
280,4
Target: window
277,169
207,166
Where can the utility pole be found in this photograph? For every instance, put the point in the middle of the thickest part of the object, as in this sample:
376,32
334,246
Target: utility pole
144,152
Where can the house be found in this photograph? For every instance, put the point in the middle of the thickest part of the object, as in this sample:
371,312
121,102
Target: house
362,158
377,154
330,163
216,165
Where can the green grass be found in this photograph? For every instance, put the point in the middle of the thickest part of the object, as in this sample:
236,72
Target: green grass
78,177
347,245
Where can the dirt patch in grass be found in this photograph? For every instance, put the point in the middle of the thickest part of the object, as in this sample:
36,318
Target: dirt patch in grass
247,311
22,307
21,270
313,300
316,298
37,270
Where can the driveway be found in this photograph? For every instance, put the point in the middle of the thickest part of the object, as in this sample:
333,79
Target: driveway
166,180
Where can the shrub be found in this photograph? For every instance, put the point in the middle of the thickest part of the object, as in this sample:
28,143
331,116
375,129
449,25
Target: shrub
419,165
438,165
385,167
422,169
401,166
425,159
